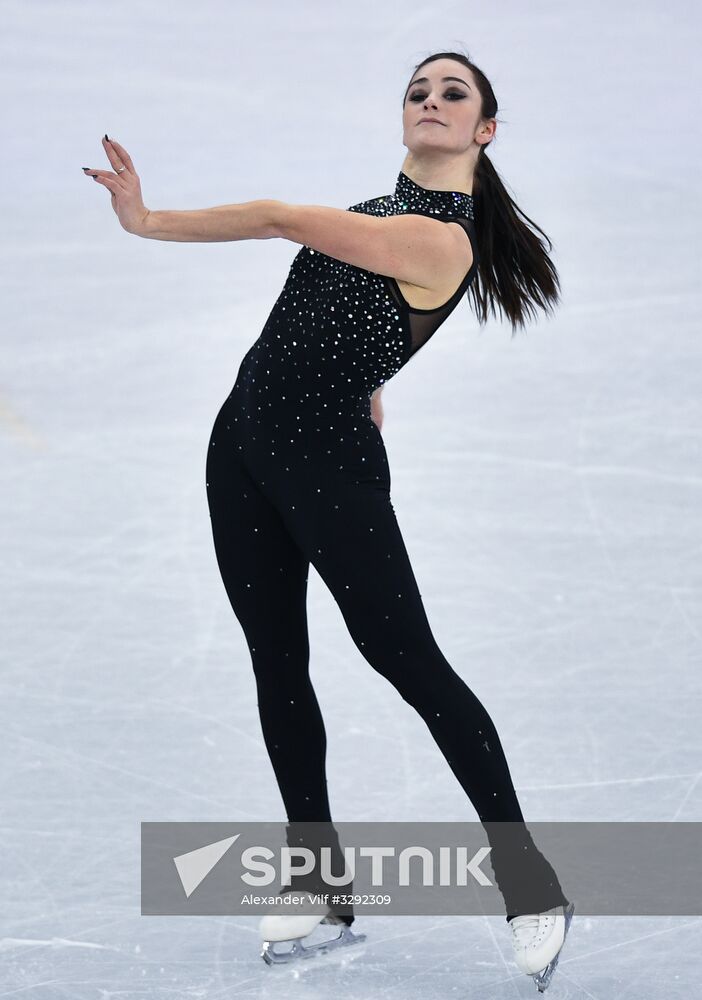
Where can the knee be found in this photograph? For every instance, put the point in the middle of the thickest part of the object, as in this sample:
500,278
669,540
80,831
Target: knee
279,663
418,673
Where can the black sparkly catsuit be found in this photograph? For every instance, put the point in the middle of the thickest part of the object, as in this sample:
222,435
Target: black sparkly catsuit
297,473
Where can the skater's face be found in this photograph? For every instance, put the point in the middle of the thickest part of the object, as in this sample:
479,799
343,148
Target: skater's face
455,103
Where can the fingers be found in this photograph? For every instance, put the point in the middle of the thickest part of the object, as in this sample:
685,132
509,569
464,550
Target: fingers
107,181
117,155
104,175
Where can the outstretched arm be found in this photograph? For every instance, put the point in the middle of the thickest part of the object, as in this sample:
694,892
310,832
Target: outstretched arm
412,247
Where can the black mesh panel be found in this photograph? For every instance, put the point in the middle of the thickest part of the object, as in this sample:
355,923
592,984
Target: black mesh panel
423,323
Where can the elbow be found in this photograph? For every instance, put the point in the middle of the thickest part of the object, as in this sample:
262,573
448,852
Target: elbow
280,220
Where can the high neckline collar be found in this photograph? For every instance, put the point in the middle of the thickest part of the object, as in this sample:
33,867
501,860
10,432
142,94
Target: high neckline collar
415,197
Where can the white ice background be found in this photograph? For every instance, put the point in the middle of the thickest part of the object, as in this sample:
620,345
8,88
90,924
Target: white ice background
549,487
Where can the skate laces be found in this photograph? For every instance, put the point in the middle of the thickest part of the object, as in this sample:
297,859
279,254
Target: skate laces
524,927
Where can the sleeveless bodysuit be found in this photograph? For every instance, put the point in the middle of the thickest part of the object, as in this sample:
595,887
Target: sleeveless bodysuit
297,473
336,333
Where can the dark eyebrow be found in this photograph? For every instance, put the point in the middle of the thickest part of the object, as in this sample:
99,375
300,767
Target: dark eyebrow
423,79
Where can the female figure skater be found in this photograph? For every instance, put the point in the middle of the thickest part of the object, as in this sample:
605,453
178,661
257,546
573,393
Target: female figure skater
297,472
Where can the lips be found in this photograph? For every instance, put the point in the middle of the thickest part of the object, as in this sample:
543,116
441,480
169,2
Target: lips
436,120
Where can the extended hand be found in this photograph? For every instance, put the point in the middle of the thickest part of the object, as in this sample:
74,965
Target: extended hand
124,187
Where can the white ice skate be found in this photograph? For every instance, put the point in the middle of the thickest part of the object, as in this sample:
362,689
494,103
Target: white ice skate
297,921
537,939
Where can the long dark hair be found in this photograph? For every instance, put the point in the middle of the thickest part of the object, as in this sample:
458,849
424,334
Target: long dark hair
514,270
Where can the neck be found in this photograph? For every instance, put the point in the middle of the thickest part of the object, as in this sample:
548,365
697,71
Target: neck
439,175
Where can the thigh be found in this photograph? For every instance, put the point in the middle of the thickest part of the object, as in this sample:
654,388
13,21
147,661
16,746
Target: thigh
354,541
263,570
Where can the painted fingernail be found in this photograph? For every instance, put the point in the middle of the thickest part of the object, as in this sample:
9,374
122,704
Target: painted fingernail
106,136
85,168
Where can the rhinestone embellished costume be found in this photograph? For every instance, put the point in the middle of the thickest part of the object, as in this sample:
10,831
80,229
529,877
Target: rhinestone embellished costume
297,473
336,333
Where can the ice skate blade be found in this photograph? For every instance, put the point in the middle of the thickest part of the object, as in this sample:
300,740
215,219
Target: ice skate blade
299,950
543,978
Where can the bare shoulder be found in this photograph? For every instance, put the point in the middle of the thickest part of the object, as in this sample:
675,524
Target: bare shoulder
411,248
421,297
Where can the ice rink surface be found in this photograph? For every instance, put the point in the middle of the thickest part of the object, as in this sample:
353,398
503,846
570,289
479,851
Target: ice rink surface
548,487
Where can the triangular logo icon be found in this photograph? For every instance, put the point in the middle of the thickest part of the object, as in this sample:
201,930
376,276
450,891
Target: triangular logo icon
196,865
